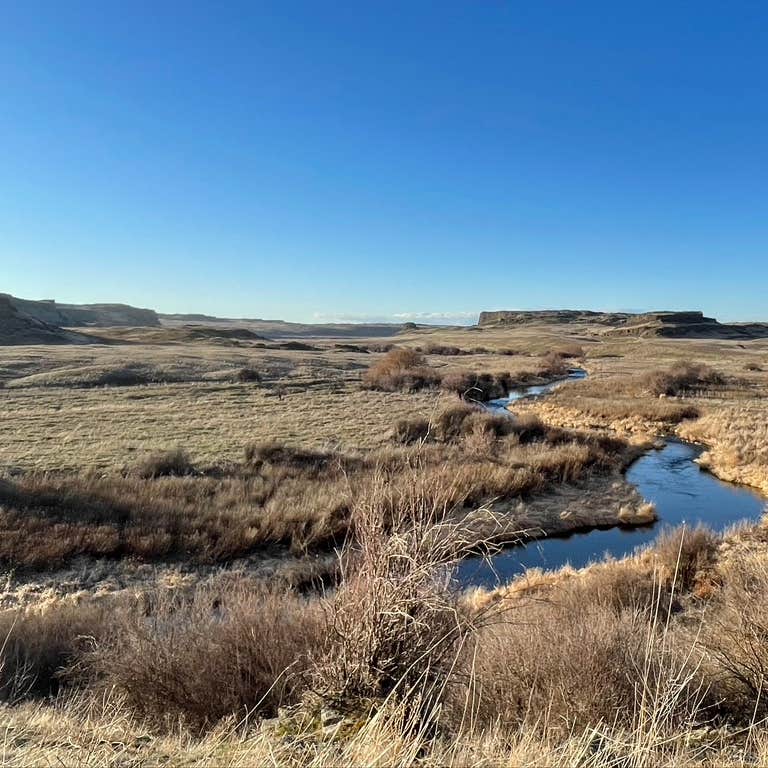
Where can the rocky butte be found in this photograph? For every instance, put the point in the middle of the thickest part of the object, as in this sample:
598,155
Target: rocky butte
675,325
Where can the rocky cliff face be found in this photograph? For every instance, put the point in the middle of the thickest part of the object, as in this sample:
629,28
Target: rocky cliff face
17,327
675,325
511,317
687,325
83,315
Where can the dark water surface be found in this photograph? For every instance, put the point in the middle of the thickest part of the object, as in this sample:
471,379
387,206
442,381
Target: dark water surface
669,478
529,393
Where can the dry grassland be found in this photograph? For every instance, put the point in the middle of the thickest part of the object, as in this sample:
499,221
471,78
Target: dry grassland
118,620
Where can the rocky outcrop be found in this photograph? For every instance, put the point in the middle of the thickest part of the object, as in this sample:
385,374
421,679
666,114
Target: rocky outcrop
17,327
674,325
687,325
84,315
514,317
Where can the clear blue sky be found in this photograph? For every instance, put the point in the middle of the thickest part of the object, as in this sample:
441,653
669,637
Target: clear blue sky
372,158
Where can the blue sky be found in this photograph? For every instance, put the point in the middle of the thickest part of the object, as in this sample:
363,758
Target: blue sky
370,159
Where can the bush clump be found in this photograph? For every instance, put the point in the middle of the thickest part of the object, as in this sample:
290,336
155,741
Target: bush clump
684,553
395,622
478,387
173,463
36,648
218,652
527,428
247,376
682,378
441,349
273,455
450,423
407,431
400,369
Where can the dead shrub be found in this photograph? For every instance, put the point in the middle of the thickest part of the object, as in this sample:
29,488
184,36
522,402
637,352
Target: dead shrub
221,651
441,349
395,623
259,456
684,554
247,376
682,378
128,376
492,424
408,431
527,428
400,369
553,364
477,387
37,647
569,663
570,351
734,635
175,463
450,423
621,586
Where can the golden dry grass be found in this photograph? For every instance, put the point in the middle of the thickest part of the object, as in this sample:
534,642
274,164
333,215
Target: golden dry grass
738,436
107,428
589,668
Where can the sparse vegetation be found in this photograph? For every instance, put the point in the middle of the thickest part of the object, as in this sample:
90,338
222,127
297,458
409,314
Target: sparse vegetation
279,495
407,431
659,658
407,369
227,649
682,378
400,369
173,463
594,653
247,376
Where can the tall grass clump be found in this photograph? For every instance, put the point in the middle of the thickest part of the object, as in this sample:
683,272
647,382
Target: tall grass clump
684,554
682,378
400,369
408,431
173,463
197,658
734,636
36,647
576,661
396,623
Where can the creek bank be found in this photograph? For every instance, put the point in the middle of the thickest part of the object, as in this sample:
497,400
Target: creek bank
576,525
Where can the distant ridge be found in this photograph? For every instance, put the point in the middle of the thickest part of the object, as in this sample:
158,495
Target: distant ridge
18,327
512,317
673,325
83,315
24,321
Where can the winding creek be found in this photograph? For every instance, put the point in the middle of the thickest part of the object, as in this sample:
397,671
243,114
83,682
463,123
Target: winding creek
669,477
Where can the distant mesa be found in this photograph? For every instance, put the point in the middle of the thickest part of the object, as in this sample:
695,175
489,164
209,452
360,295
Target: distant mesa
84,315
513,317
23,321
19,327
672,325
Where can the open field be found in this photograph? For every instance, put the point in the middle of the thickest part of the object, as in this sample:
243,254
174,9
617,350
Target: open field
171,506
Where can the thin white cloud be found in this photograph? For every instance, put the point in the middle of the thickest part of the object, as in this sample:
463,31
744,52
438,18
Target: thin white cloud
426,318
